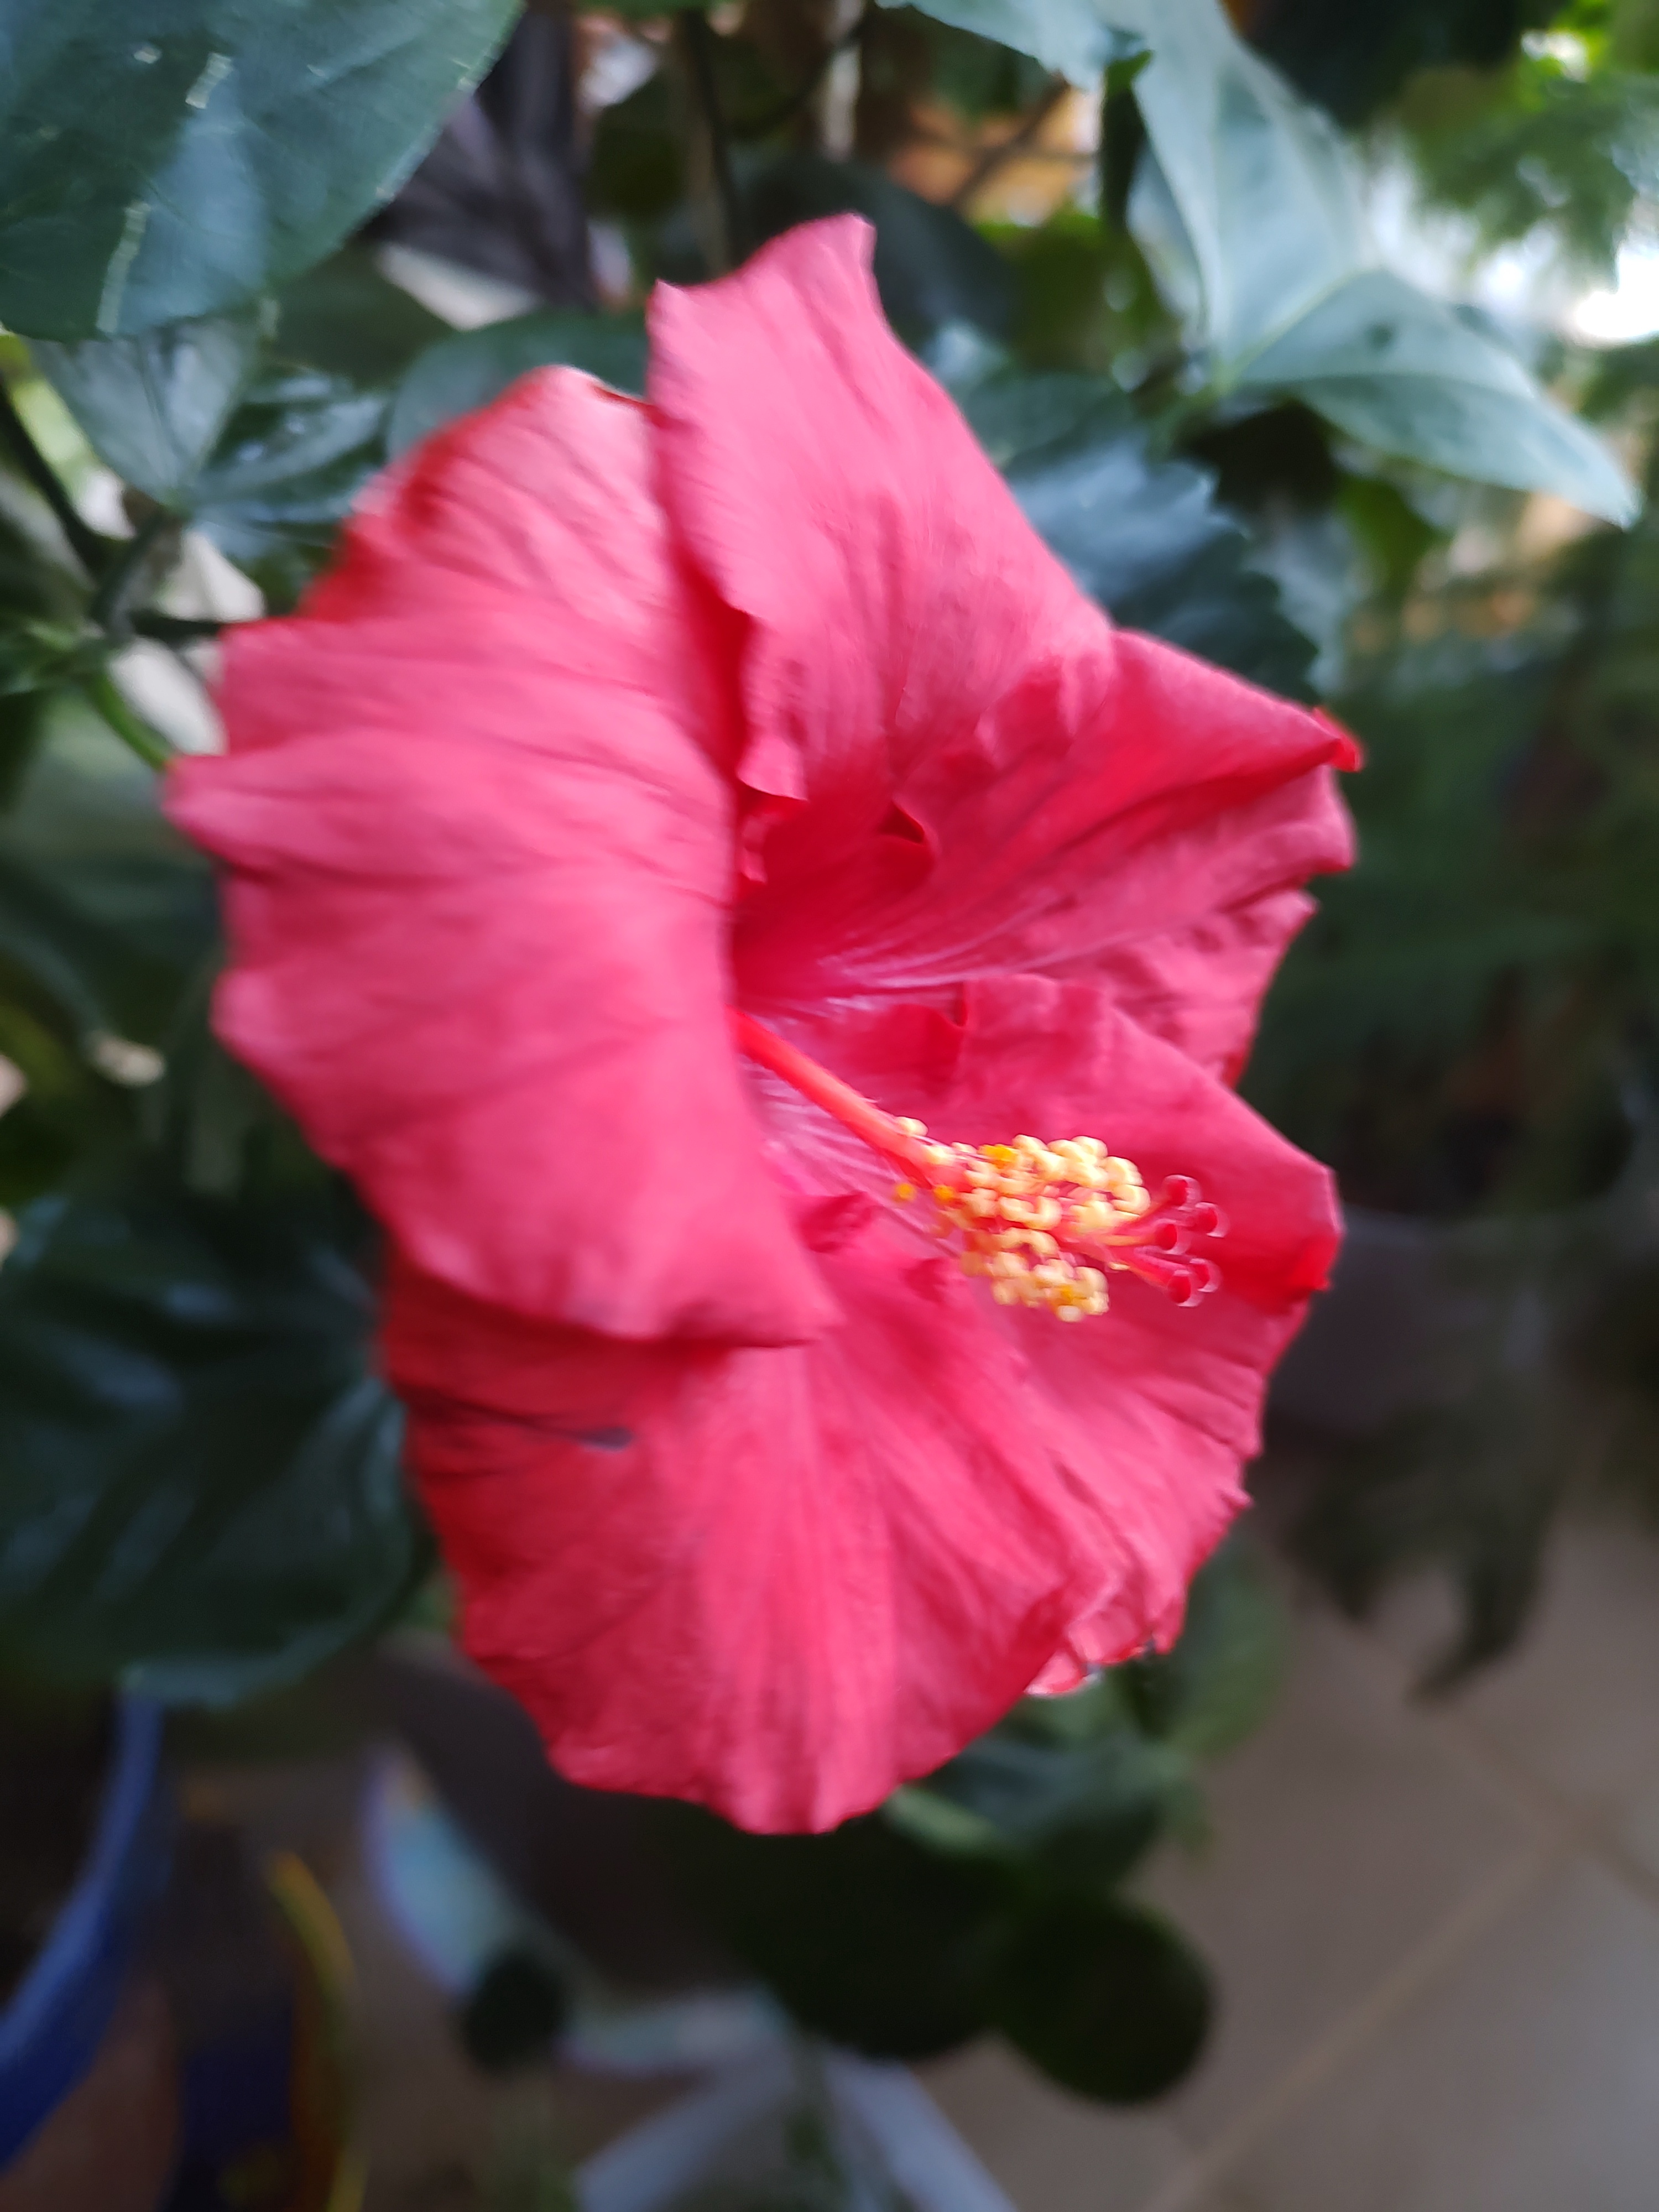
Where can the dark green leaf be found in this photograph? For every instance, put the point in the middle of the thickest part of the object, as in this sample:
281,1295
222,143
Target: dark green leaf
154,406
472,367
1260,184
179,160
1104,1997
1351,59
294,457
1142,536
1411,376
1084,1811
1250,213
931,268
199,1484
38,656
347,319
106,916
1070,36
1217,1685
864,1936
105,912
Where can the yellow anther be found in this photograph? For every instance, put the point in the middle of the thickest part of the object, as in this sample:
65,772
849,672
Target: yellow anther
1027,1214
1090,1219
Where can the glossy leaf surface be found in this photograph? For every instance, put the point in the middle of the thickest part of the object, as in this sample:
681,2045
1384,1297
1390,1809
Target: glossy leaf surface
932,268
346,319
1220,1682
199,1473
1143,536
1411,376
472,367
1261,182
295,456
1073,37
176,159
154,407
1104,1997
867,1938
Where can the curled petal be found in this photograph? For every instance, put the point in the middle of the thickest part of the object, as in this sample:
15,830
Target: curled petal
776,1582
480,860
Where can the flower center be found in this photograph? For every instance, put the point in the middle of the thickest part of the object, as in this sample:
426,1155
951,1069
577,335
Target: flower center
1044,1223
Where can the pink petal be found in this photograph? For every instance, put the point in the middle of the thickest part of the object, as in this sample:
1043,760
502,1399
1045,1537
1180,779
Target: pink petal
778,1583
1159,1405
482,860
981,773
837,501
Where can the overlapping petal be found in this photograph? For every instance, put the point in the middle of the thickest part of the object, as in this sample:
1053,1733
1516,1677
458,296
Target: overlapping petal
767,695
774,1580
480,866
984,774
779,1581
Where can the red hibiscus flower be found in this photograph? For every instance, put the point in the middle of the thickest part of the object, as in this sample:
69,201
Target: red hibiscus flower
660,814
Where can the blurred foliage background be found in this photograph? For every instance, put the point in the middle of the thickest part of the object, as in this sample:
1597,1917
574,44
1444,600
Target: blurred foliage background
1311,340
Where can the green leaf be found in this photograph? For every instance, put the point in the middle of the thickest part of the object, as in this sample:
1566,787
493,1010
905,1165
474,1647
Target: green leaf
199,1485
1262,185
472,367
932,268
866,1937
1070,36
154,407
181,161
1142,536
346,319
105,912
296,454
1251,216
1218,1683
1086,1812
636,171
1104,1997
106,918
1411,376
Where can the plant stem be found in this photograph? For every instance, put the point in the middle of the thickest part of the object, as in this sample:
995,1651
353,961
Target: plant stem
151,747
177,629
89,548
115,586
993,157
697,42
772,119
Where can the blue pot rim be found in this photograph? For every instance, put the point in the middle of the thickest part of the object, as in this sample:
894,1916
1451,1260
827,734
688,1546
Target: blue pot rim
88,1928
